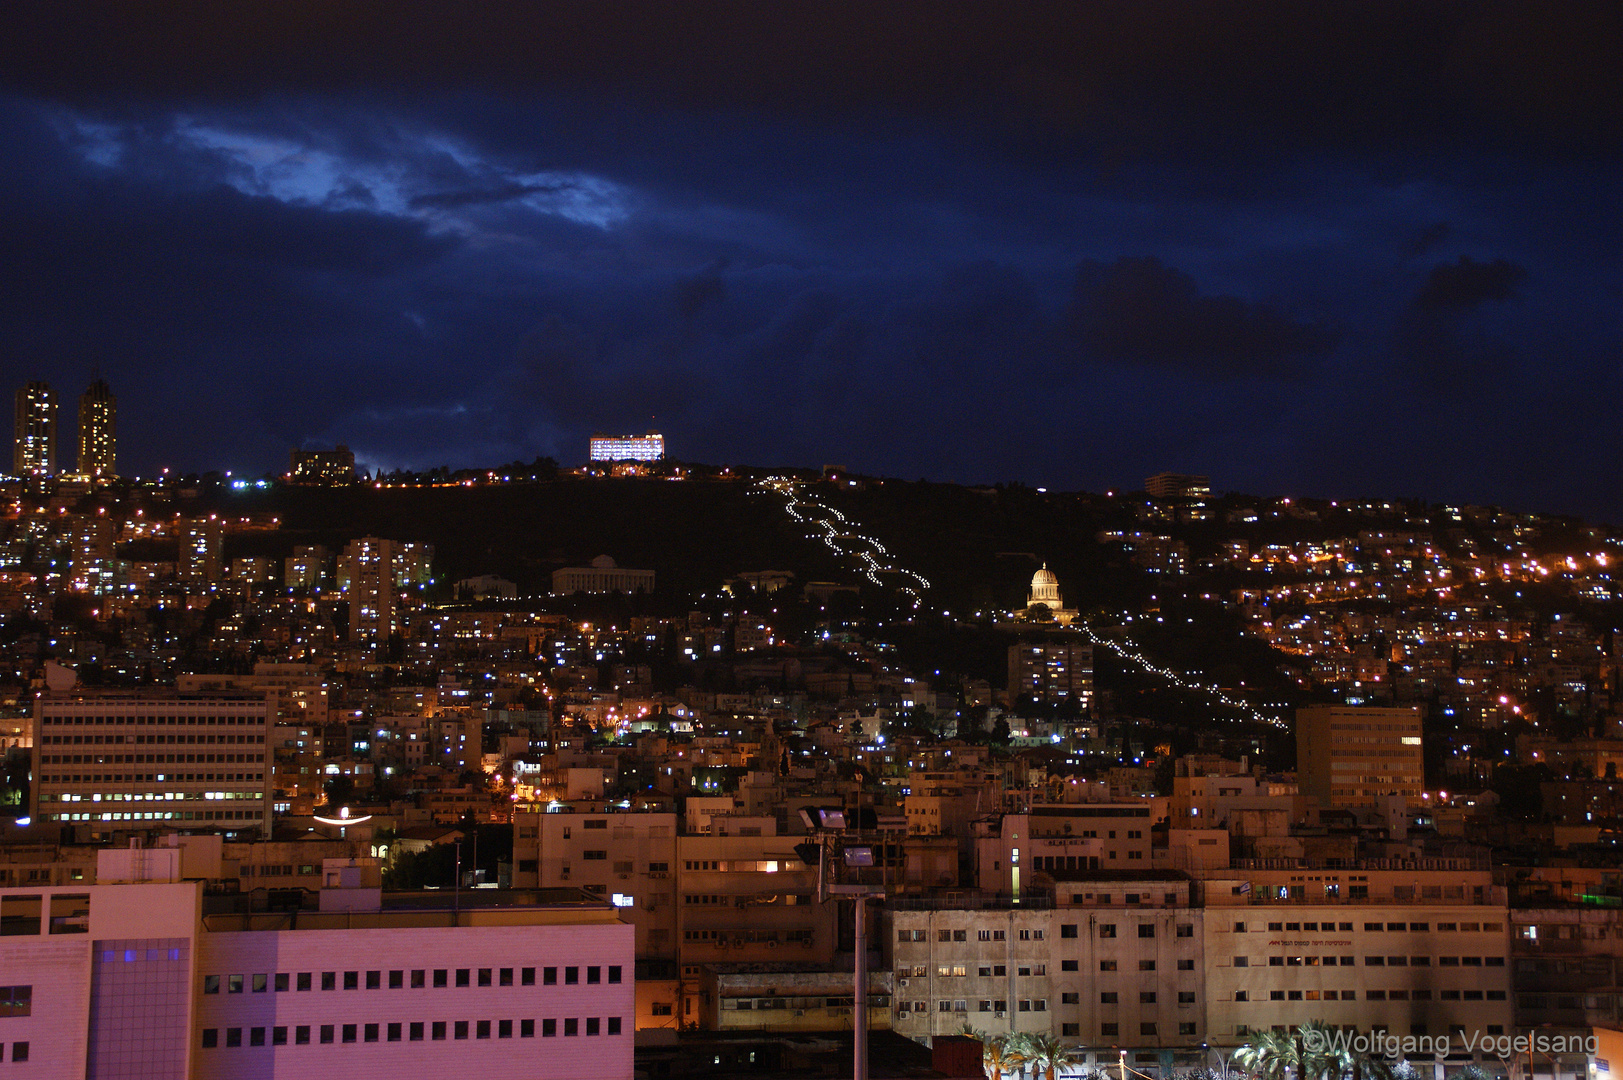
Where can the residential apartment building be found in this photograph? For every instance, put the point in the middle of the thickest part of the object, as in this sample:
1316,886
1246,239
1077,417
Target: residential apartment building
1350,756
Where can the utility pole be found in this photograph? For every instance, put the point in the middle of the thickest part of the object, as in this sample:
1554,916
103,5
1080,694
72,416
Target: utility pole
859,1012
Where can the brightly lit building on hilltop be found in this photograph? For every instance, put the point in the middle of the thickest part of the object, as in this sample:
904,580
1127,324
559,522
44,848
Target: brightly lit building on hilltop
649,447
98,432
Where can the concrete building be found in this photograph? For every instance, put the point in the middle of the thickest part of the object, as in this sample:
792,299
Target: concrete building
202,552
98,432
322,467
114,762
603,576
34,448
1178,486
1352,757
1052,671
367,574
649,447
142,978
1119,970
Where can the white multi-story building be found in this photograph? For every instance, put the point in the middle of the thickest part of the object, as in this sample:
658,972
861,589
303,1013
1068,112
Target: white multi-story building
110,762
649,447
138,980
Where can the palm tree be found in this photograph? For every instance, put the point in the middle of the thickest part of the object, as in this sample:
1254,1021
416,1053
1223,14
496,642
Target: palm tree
998,1055
1044,1053
1270,1055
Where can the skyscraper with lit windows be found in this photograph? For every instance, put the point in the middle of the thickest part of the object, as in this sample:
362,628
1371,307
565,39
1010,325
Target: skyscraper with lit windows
34,452
98,431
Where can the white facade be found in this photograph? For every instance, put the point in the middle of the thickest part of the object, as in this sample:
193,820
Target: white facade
649,447
134,982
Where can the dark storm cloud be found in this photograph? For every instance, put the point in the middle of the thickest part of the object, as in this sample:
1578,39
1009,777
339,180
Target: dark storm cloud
1463,285
456,200
1139,311
692,294
843,232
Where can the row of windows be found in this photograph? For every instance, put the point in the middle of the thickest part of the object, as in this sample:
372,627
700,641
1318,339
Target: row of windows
1375,995
1376,961
50,720
162,815
952,971
1026,934
398,978
1381,927
986,1005
19,1052
1456,1032
137,740
1170,899
411,1031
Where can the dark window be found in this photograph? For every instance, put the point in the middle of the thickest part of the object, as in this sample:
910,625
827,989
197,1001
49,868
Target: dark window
594,975
461,1029
571,976
463,975
397,980
614,974
481,1029
303,981
350,1032
261,983
211,984
549,1028
526,976
301,1035
549,976
211,1038
326,1033
415,1033
394,1032
352,980
526,1029
614,1025
485,975
419,978
438,1031
1186,997
371,1033
281,982
571,1026
1107,997
233,1036
374,980
1067,929
504,1029
1146,930
506,977
442,977
1146,997
591,1025
19,1051
329,980
1068,965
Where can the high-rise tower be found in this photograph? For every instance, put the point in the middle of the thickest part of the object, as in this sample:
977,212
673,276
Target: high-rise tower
98,431
34,453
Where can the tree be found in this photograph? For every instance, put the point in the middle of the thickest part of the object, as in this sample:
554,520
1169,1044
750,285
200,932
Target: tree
999,1054
1044,1053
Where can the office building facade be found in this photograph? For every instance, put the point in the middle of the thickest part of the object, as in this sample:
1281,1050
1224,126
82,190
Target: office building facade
116,762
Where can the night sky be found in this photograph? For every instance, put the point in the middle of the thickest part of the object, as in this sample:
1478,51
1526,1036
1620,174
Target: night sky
1309,249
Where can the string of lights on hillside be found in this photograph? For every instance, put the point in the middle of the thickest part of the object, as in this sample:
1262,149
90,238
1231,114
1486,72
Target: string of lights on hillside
838,532
1129,651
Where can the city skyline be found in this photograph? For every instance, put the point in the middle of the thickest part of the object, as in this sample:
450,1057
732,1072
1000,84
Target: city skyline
1320,252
